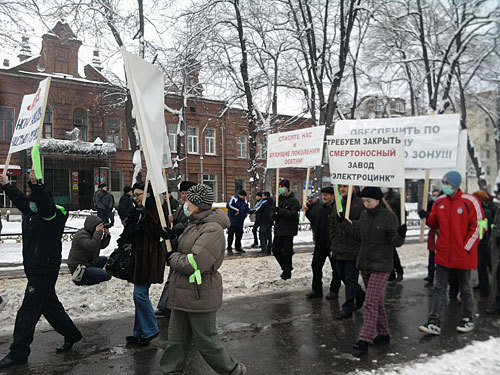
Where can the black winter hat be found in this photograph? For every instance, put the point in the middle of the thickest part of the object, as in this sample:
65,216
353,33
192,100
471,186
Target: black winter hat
372,192
185,185
242,192
328,190
284,182
127,189
201,196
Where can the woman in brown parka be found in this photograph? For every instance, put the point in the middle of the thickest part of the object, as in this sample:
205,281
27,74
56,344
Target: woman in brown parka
196,287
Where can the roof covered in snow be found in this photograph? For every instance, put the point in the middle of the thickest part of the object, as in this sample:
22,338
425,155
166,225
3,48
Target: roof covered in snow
76,147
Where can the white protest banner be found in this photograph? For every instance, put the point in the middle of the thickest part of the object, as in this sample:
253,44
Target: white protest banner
145,83
430,141
30,119
367,160
301,148
438,173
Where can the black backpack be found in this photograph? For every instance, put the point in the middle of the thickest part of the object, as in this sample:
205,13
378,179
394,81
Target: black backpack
121,263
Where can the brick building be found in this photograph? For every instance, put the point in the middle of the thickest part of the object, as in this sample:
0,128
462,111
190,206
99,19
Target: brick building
82,107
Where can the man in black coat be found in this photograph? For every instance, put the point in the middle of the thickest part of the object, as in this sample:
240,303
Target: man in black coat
286,219
179,222
42,229
319,215
126,205
263,220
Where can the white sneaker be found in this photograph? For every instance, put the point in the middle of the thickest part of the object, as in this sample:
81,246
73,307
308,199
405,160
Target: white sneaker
3,303
465,325
430,329
79,272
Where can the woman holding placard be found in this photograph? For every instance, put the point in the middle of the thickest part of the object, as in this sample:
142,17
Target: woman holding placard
379,231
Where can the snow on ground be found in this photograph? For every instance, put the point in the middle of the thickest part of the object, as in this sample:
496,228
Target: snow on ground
243,276
477,358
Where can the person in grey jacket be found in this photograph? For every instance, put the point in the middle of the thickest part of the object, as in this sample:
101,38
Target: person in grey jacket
196,287
104,203
84,262
379,232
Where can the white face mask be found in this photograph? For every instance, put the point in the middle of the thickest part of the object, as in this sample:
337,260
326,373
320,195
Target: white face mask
186,209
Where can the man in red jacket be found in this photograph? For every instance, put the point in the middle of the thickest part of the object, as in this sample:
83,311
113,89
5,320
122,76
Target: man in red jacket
456,215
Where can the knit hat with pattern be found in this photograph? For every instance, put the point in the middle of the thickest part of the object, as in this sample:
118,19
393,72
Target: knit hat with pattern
201,196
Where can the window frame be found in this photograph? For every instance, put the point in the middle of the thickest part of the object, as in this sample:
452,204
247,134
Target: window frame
46,124
84,126
190,140
3,137
172,137
210,140
239,152
116,132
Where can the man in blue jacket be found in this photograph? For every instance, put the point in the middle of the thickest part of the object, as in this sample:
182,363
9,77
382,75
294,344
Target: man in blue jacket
237,210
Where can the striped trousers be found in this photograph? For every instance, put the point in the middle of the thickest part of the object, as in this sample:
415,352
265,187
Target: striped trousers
374,314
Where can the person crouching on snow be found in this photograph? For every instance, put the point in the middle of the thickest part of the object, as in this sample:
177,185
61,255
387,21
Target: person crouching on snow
196,287
84,262
143,232
379,231
42,229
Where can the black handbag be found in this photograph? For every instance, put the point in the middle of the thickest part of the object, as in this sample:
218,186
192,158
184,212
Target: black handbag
121,263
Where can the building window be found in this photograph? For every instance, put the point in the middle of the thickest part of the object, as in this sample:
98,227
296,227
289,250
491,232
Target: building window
241,150
193,140
116,181
113,131
487,137
261,148
239,184
210,180
172,137
80,121
210,141
400,107
47,123
6,123
172,184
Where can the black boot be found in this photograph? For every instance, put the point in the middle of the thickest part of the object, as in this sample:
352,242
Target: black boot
68,344
7,362
361,345
381,340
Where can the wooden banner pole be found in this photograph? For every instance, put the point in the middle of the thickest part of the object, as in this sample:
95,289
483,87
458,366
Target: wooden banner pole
403,208
277,186
425,199
348,204
168,200
6,167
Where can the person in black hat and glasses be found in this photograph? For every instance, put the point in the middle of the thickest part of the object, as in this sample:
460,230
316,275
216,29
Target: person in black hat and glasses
379,231
42,229
286,218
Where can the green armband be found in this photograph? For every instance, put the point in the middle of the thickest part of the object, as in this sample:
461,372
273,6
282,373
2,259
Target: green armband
196,274
483,227
339,199
37,164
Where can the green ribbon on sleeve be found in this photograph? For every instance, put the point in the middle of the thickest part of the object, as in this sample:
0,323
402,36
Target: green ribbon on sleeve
483,227
196,274
37,164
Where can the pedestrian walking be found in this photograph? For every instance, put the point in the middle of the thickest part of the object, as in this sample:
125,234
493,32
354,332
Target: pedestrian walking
126,205
179,222
456,215
345,249
320,216
256,223
237,210
197,288
104,203
42,229
379,232
84,261
286,225
143,232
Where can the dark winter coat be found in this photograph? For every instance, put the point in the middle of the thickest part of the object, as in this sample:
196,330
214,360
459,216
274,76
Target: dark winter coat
456,218
204,238
87,243
376,229
263,213
125,207
286,218
42,231
236,204
343,244
319,215
174,204
393,199
143,232
104,200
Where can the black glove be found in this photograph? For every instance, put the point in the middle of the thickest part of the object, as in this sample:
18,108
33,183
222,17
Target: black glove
141,209
167,234
423,214
402,230
340,218
276,209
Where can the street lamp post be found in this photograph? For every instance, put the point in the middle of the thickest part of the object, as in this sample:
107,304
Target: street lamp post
98,145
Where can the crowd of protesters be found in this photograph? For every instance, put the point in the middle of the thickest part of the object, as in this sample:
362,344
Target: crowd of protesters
464,235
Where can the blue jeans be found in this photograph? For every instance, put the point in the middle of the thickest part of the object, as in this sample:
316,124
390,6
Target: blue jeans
94,275
145,324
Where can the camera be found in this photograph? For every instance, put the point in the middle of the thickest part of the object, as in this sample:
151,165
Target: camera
107,225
